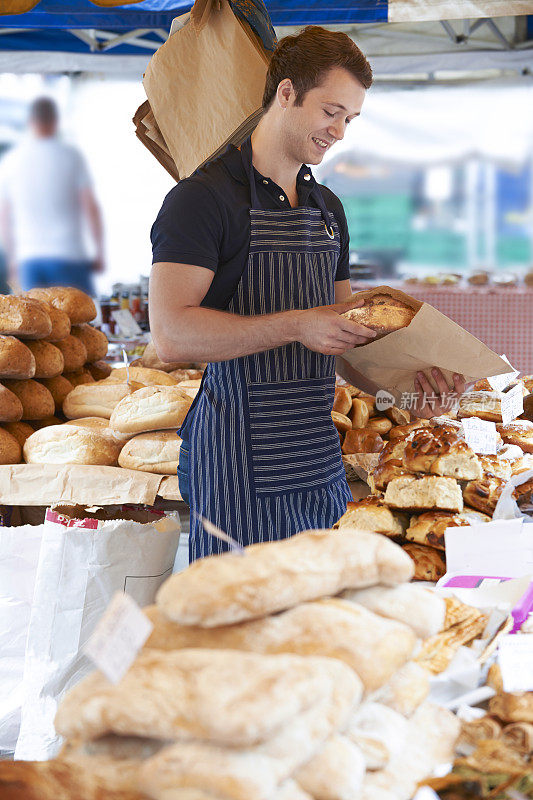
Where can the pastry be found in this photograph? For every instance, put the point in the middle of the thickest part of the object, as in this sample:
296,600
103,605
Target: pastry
441,452
519,432
430,564
429,528
485,405
371,514
495,465
362,441
402,431
427,492
484,494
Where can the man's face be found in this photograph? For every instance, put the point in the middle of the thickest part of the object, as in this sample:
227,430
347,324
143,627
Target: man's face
312,128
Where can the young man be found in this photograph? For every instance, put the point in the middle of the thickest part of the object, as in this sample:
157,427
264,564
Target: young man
251,274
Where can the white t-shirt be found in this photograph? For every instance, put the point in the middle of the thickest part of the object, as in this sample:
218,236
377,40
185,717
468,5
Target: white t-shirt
42,178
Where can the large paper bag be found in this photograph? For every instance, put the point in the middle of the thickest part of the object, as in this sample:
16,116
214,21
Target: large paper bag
430,340
205,85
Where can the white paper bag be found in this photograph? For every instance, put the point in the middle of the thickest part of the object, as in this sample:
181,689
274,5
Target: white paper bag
81,564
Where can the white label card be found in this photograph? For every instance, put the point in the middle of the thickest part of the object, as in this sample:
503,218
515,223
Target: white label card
127,326
501,382
512,404
515,657
118,637
480,435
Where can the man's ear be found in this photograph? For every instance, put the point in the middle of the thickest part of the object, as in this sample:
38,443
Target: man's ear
284,91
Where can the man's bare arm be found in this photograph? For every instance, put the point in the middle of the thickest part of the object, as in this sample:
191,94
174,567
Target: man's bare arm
94,218
183,331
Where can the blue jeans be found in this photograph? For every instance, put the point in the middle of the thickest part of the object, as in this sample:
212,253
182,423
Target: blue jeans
44,272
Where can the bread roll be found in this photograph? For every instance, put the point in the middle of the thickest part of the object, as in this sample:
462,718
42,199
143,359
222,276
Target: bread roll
362,441
79,376
382,313
157,451
151,409
58,387
428,492
359,413
70,444
48,359
430,564
148,377
100,424
342,401
341,422
273,576
24,317
76,304
96,399
402,431
94,340
60,324
16,360
381,425
74,353
20,430
186,374
398,416
36,400
100,370
10,449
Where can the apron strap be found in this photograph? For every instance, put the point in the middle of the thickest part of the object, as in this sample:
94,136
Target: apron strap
319,200
246,156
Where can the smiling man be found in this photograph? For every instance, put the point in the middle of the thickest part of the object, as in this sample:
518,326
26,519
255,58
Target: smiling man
251,274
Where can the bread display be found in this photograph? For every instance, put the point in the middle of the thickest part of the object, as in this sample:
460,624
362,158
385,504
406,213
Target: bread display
156,451
94,340
427,492
430,564
16,359
48,359
440,452
147,377
78,306
150,409
371,514
97,399
10,449
36,400
24,317
429,528
70,444
382,313
74,352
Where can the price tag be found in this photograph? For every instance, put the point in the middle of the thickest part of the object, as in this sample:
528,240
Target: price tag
219,534
118,637
501,382
480,435
515,657
127,326
512,404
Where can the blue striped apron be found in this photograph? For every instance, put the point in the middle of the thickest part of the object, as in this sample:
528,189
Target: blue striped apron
265,460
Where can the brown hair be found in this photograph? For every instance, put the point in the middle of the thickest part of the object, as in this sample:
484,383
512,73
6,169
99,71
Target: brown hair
307,56
43,111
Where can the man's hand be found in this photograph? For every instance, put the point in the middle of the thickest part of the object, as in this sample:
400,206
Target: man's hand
323,330
429,403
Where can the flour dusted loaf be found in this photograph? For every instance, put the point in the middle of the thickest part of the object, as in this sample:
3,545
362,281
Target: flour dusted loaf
24,317
95,341
37,402
150,409
16,360
49,360
76,304
273,576
70,444
156,451
382,313
406,690
426,492
336,771
97,399
423,610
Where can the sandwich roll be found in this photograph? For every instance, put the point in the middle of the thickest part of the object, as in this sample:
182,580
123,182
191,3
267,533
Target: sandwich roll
76,304
24,317
150,409
74,353
16,360
36,400
58,387
48,359
94,340
60,324
20,430
99,424
71,444
97,399
157,451
10,449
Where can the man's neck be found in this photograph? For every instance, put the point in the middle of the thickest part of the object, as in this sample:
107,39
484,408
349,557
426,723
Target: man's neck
273,163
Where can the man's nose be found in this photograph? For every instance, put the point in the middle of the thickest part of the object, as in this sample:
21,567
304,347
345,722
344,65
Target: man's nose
337,129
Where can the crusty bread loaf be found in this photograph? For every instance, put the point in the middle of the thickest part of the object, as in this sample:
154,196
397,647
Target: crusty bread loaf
382,313
96,399
272,576
371,514
16,360
58,387
79,376
20,430
74,353
95,341
100,370
71,444
10,449
78,305
151,409
156,451
186,374
60,324
426,493
24,317
420,608
37,402
99,424
148,377
48,359
191,387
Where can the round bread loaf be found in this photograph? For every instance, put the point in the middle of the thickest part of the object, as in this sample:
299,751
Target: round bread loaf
94,340
60,324
10,449
151,360
49,360
58,387
20,430
10,406
74,353
71,444
79,376
382,313
24,317
16,360
151,409
76,304
157,451
37,402
100,370
96,399
148,377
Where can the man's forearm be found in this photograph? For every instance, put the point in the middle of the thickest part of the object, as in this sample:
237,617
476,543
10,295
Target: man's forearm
204,334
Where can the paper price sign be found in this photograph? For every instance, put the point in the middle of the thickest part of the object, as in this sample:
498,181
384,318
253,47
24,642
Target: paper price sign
501,382
118,637
512,404
126,323
480,435
515,657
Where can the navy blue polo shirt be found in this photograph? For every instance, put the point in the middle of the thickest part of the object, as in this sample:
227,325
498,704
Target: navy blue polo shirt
205,221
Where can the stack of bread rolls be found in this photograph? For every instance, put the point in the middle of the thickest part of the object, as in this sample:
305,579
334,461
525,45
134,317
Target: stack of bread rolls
268,685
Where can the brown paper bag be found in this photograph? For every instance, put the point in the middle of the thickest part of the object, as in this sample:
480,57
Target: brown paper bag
430,340
205,85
